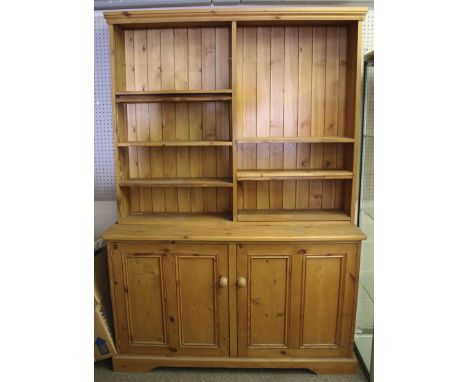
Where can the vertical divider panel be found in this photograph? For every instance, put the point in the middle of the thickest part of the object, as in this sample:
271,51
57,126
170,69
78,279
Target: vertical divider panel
234,126
168,116
341,114
222,73
291,53
209,114
155,116
331,110
318,111
276,113
250,112
182,114
263,111
304,112
240,112
195,115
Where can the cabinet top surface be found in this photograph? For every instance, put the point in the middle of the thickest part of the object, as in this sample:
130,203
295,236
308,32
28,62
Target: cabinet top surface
237,14
235,232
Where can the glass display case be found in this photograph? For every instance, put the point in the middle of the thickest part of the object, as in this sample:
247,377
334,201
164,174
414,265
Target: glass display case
364,334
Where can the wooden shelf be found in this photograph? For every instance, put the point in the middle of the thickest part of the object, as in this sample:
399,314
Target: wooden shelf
243,175
291,215
174,143
177,182
295,140
173,96
179,218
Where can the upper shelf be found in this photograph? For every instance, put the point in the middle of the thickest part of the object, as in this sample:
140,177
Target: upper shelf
295,140
174,143
293,174
176,182
173,96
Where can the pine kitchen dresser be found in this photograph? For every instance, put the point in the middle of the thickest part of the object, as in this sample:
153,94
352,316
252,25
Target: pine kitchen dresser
236,134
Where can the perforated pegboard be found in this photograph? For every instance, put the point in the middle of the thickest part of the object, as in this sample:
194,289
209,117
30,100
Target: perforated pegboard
368,33
104,179
368,149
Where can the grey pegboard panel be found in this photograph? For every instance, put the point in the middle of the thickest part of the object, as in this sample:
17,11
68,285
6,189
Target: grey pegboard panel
368,33
104,179
368,149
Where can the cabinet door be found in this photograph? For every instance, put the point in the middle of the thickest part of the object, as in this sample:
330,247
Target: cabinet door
199,301
169,298
298,300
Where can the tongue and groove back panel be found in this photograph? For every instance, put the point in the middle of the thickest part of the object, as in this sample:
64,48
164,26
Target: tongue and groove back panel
292,82
178,59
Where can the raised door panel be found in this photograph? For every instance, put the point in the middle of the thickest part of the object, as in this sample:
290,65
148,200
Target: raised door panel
145,299
199,306
322,281
264,302
298,299
140,286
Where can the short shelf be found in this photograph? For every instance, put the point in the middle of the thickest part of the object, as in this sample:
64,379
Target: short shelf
179,219
292,215
173,96
295,140
244,175
174,143
177,182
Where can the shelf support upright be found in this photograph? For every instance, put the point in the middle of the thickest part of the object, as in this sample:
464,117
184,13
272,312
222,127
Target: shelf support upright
234,116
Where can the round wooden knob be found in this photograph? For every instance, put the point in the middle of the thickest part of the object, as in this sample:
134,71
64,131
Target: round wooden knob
241,282
223,282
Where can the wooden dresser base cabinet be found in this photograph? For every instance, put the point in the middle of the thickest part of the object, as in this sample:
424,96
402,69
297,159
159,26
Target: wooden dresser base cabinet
234,305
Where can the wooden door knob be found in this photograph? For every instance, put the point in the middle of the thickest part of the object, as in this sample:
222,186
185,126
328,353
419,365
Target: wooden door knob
241,282
223,282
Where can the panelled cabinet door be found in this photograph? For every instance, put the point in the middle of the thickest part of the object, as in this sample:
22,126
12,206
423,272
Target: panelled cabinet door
297,300
171,299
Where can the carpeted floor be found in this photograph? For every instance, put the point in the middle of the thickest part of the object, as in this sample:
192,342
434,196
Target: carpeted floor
103,373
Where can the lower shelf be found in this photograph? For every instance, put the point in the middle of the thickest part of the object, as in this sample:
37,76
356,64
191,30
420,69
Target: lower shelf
291,215
179,218
142,363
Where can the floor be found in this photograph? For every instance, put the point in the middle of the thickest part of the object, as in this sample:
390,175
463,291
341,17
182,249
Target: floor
103,373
